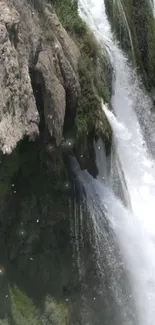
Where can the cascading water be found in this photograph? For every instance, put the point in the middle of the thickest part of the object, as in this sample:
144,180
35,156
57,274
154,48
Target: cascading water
133,226
122,12
153,6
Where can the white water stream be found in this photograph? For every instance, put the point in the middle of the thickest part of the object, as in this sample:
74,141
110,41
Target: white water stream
135,226
153,6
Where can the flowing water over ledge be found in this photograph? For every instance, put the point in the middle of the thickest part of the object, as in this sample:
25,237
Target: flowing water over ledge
134,226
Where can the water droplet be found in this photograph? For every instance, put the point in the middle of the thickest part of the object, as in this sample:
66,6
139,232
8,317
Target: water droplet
66,299
99,147
66,186
6,296
37,220
81,156
94,298
31,258
21,232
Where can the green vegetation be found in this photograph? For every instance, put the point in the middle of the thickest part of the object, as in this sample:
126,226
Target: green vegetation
55,313
67,12
24,312
94,71
94,67
89,103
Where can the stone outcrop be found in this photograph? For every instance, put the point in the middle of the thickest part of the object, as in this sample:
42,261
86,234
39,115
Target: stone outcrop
27,44
50,91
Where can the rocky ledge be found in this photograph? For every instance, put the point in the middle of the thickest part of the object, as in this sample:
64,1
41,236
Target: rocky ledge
27,57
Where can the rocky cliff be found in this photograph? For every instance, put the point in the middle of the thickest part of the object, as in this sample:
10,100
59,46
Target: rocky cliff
36,55
53,75
29,58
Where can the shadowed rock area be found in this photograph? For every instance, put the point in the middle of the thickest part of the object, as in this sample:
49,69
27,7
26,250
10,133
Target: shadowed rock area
53,76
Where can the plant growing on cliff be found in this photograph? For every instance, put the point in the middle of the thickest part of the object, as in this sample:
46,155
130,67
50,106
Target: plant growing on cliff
23,310
93,67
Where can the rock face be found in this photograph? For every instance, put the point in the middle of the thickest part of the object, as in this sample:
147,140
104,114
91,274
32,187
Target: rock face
50,91
51,56
18,113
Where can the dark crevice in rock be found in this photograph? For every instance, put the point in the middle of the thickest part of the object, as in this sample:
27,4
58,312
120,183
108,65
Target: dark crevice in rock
85,154
13,34
38,90
70,112
34,59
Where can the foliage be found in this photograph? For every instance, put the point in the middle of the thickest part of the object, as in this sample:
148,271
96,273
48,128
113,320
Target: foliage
94,80
4,321
94,67
55,313
23,310
67,11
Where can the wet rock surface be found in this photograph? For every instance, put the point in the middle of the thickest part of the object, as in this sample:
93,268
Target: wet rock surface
25,46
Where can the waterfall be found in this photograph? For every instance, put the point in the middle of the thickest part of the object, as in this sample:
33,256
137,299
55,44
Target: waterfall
114,301
134,225
122,12
152,2
133,98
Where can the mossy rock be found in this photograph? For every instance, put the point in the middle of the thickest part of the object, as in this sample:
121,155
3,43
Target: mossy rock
5,321
94,67
23,310
55,313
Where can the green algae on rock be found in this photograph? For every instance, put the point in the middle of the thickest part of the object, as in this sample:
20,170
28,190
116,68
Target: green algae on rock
24,312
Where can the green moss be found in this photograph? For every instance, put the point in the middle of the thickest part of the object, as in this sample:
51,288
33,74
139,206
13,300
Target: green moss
94,67
4,321
55,312
93,88
89,101
23,310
